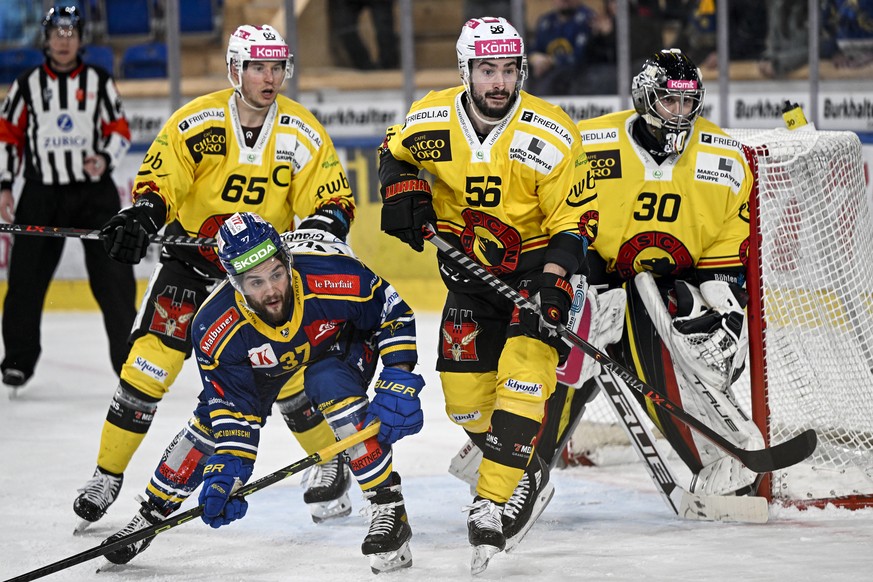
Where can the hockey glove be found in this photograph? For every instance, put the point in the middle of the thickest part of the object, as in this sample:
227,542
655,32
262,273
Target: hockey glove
220,477
407,206
552,295
126,235
331,218
396,405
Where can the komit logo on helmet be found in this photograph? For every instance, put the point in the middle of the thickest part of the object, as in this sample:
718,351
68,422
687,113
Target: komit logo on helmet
494,47
277,53
681,84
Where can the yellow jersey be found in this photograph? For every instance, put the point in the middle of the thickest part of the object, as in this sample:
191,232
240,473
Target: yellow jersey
689,212
500,200
200,166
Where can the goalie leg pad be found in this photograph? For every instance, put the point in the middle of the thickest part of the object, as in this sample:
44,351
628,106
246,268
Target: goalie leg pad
465,464
704,389
600,322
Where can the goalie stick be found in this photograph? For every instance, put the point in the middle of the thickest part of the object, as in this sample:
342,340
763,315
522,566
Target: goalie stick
763,460
685,504
681,502
195,512
83,233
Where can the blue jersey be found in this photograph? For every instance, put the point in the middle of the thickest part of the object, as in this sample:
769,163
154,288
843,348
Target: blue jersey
244,362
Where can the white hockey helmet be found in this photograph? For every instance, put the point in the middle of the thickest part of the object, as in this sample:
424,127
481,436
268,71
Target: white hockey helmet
490,37
256,43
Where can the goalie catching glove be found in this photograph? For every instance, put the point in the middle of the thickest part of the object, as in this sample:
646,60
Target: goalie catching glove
552,296
396,405
221,476
709,328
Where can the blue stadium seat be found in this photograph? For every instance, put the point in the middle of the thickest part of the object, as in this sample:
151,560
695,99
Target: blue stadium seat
144,61
128,18
197,17
14,61
101,56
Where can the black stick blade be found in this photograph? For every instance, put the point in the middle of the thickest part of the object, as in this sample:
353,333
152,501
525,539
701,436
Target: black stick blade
783,455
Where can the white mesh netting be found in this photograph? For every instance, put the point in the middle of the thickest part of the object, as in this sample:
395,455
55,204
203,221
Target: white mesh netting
816,244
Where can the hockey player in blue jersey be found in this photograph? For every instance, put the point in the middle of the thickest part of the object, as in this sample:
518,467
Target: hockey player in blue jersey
303,304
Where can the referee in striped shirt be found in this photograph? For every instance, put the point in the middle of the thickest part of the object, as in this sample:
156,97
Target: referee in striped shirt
63,127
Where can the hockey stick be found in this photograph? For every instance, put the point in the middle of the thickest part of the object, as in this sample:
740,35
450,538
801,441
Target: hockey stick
685,504
195,512
83,233
764,460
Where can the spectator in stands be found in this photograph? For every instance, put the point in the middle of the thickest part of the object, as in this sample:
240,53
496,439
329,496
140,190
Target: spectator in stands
559,49
847,32
748,30
345,16
476,8
67,140
597,74
19,22
787,38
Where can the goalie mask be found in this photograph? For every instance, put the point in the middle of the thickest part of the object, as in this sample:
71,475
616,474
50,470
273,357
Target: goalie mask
247,241
256,43
489,37
668,95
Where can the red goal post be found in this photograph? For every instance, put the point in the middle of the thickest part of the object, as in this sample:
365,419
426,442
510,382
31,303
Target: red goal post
810,314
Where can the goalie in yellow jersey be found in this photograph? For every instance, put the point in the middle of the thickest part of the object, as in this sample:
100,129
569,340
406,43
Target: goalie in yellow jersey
672,247
512,189
244,149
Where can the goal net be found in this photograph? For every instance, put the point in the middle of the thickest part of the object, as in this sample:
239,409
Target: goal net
810,314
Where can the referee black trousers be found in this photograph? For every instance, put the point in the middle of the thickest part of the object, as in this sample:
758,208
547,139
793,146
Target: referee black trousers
34,259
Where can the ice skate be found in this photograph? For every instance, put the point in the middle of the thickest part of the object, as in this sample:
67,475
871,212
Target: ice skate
530,498
327,489
387,541
95,497
485,532
15,381
147,516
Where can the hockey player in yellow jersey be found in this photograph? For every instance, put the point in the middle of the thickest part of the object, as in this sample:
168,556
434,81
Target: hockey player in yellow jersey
674,231
513,190
243,149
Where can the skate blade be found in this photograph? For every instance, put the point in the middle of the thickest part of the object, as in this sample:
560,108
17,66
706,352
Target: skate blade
82,526
543,499
106,566
481,556
390,561
340,507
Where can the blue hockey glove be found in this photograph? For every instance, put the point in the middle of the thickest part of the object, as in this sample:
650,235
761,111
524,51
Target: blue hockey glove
219,478
396,404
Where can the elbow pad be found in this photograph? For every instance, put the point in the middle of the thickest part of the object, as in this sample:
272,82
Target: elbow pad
568,249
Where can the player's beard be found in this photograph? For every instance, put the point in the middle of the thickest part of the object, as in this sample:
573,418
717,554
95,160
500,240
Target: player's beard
493,112
273,315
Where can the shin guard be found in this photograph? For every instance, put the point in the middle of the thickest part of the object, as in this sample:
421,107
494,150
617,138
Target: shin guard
180,471
128,420
370,461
